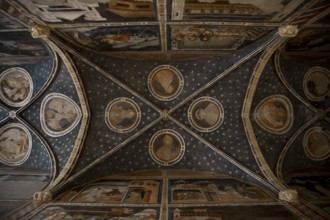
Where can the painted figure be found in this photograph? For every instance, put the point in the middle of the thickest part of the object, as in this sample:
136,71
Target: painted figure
15,86
274,114
165,80
168,151
14,144
209,114
60,114
121,116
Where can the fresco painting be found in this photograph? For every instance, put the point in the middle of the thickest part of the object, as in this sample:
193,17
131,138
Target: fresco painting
19,48
214,37
106,39
71,11
72,212
311,188
252,10
139,191
219,191
259,212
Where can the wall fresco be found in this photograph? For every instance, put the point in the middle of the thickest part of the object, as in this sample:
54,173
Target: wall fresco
135,191
75,212
107,39
214,37
219,191
259,212
19,48
252,10
90,11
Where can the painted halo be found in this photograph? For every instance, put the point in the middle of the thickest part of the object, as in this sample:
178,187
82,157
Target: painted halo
122,115
165,82
205,114
15,144
274,114
317,143
59,114
16,86
166,147
317,83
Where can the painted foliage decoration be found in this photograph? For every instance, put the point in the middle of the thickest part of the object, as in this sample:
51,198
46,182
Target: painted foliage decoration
15,144
59,114
274,114
16,86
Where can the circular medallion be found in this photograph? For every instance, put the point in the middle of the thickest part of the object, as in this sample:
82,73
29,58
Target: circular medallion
165,82
58,114
166,147
122,115
205,114
317,143
317,83
274,114
16,86
15,144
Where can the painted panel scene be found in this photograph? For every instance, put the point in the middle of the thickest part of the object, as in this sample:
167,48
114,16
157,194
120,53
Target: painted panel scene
310,41
311,188
259,212
106,39
19,48
140,191
86,11
71,212
214,37
253,10
219,191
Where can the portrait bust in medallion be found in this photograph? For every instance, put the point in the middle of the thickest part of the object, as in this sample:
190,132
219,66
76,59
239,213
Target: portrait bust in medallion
166,147
206,114
15,144
165,82
16,86
122,115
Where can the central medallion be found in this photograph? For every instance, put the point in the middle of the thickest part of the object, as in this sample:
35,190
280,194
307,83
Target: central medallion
165,82
166,147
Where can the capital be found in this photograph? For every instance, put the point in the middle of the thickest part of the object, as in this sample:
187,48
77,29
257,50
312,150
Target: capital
288,30
289,195
43,196
40,31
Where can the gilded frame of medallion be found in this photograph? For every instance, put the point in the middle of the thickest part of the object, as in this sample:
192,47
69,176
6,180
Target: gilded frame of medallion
308,74
29,138
136,110
289,110
44,126
176,81
175,139
28,77
307,136
205,99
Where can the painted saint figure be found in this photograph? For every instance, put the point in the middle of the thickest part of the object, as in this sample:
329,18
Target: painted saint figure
209,114
15,86
14,144
165,79
274,114
168,151
60,114
122,116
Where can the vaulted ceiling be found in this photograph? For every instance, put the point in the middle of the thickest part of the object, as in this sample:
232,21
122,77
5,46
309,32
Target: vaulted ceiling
232,91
